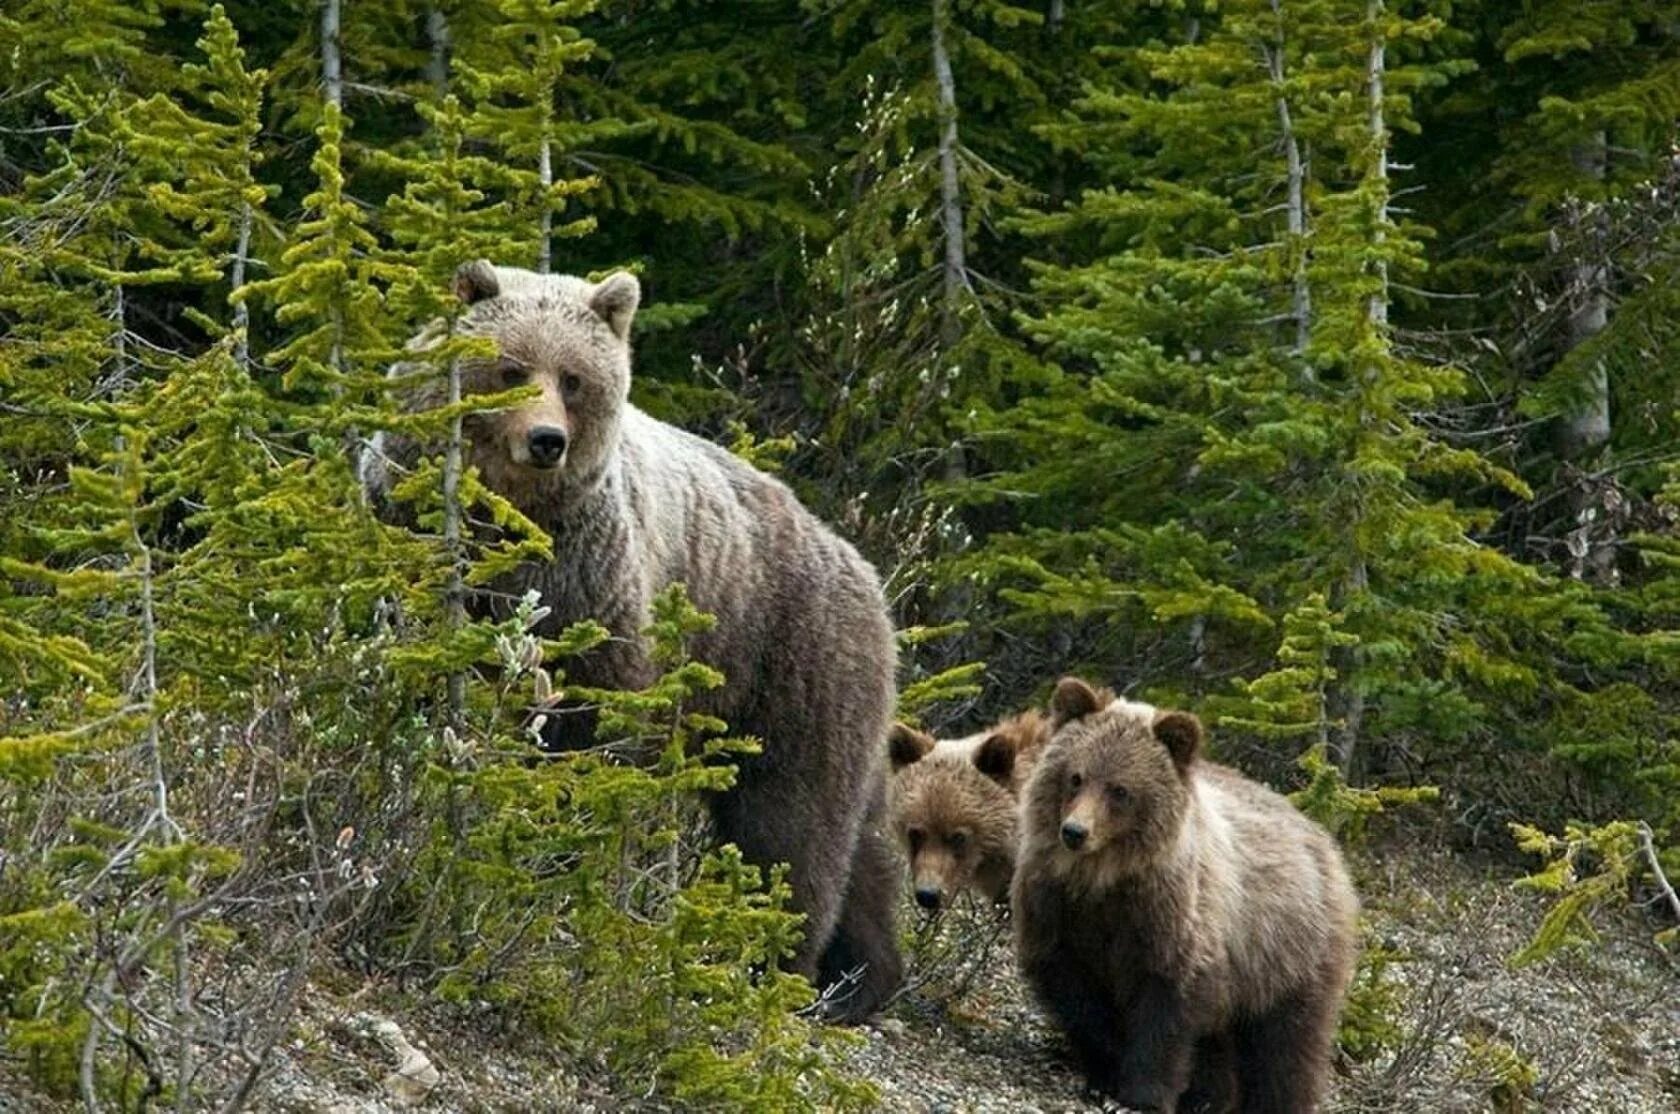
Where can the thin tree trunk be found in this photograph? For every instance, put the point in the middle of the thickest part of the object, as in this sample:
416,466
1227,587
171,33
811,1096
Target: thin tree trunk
1586,429
236,279
1358,577
437,65
332,64
119,315
457,596
1301,301
950,194
1376,64
1054,18
545,178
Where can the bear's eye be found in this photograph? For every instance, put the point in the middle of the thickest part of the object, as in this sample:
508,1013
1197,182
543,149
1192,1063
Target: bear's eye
512,374
915,835
1075,781
1119,794
957,840
570,384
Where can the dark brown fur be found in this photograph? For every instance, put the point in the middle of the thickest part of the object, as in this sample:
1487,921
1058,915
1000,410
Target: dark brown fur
802,634
1203,925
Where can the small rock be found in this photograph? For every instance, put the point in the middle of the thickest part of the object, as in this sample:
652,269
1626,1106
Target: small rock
415,1075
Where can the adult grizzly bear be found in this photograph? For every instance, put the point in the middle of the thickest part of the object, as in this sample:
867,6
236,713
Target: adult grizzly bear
1174,916
802,631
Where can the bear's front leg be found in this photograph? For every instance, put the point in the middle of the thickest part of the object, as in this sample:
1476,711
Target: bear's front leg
1157,1046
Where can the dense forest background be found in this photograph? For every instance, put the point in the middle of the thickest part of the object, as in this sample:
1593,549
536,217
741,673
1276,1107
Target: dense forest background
1309,363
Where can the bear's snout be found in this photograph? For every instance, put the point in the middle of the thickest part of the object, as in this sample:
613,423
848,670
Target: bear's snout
1074,834
547,444
928,898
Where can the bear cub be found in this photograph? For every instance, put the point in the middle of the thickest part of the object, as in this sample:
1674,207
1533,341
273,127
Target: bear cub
1180,922
954,805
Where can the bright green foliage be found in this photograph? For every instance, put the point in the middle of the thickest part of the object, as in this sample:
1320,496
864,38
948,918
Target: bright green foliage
1292,702
515,82
1369,1025
1586,868
1182,412
1345,809
640,950
323,287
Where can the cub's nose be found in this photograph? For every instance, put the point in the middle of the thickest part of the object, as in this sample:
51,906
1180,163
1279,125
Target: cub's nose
1074,834
547,444
927,898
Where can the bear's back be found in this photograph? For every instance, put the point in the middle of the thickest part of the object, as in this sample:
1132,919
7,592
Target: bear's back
1273,885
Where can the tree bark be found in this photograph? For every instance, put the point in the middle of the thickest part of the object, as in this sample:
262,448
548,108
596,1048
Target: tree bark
332,64
1586,429
1357,581
437,64
456,592
545,223
1301,300
950,192
236,279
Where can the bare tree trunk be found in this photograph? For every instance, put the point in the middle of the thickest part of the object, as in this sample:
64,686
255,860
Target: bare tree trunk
437,65
950,193
1301,301
236,279
1054,18
332,64
456,591
1358,578
545,231
1374,73
1586,429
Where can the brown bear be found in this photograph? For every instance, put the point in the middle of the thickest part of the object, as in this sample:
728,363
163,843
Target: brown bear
632,504
1173,915
954,805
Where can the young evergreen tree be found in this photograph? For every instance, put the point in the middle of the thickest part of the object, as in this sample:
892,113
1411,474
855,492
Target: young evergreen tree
1230,427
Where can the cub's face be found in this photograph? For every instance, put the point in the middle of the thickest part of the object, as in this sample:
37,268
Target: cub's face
1114,782
956,824
568,340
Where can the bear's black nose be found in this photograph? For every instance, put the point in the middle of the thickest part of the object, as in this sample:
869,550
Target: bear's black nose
547,444
1073,834
927,898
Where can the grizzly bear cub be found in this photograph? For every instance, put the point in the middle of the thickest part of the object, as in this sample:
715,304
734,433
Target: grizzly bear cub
1175,917
954,805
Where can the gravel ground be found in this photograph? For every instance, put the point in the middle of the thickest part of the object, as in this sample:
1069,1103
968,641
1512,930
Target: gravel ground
1594,1032
1600,1032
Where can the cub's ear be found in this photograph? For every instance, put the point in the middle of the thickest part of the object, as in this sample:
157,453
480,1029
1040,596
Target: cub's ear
907,746
1074,699
615,300
1181,734
476,281
996,757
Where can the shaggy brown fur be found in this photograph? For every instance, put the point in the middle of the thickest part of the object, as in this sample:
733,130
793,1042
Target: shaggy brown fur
954,805
1169,910
802,631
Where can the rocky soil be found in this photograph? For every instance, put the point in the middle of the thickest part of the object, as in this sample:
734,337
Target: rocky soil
1597,1031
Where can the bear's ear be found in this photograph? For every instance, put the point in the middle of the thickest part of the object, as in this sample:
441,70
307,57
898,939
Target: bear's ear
996,757
476,281
1074,699
1181,734
907,746
615,301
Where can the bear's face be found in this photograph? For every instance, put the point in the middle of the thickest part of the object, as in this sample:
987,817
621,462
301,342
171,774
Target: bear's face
955,823
565,337
1113,787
